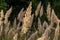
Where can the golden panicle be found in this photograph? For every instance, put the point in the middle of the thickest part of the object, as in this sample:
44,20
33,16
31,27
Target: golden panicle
48,12
24,30
41,11
27,19
28,10
38,9
27,24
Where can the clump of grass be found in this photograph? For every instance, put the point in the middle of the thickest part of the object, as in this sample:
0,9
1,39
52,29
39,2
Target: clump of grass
43,31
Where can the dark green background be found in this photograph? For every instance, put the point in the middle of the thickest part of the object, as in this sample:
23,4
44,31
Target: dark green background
55,4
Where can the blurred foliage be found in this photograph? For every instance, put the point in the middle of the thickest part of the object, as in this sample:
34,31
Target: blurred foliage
3,5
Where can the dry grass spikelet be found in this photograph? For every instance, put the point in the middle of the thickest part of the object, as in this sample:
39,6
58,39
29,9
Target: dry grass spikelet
45,35
6,21
1,22
27,24
54,18
15,23
45,24
21,11
7,15
48,12
38,9
21,15
40,27
48,29
1,15
56,33
27,19
41,11
31,20
47,32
